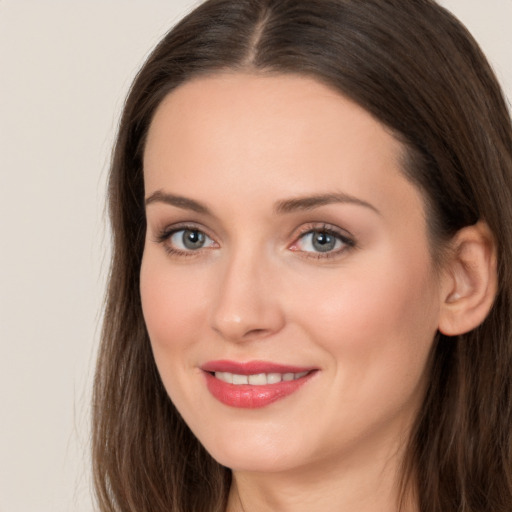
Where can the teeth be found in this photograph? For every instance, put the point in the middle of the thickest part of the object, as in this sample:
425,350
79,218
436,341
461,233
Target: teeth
225,376
240,379
259,379
273,378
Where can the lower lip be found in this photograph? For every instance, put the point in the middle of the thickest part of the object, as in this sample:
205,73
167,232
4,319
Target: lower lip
246,396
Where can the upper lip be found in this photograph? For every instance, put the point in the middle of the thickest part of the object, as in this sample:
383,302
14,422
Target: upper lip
252,367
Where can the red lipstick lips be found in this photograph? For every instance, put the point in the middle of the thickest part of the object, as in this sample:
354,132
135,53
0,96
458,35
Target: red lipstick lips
253,384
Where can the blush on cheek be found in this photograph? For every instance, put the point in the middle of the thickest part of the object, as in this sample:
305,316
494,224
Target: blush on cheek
158,305
163,320
384,306
172,306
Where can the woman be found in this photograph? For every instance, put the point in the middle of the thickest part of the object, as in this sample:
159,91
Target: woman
310,297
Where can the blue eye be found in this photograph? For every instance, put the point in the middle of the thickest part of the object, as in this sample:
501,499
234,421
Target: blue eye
322,241
189,240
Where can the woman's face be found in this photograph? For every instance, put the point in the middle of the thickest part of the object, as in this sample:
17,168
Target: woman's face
287,283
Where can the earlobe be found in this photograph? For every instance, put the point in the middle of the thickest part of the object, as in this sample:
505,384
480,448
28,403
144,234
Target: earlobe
469,284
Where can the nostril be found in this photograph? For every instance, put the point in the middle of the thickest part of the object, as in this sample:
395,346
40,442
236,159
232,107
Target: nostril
253,333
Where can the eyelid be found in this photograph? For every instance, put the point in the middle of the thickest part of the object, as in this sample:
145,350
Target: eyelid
164,235
164,232
346,238
348,241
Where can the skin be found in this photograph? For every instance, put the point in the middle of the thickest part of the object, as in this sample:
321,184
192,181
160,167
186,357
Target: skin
364,315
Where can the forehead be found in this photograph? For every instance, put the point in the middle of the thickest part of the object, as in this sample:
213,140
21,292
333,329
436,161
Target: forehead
250,105
251,134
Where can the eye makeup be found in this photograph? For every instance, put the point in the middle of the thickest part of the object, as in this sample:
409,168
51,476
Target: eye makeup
312,240
320,240
184,240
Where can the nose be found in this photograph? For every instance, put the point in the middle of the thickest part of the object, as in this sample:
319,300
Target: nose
246,303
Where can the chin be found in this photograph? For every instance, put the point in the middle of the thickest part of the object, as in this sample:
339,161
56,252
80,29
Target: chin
243,461
244,451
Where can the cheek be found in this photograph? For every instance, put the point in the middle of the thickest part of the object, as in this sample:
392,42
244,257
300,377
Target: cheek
377,293
377,328
174,310
171,304
377,321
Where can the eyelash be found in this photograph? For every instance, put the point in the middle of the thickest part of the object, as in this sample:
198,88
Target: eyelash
348,243
166,234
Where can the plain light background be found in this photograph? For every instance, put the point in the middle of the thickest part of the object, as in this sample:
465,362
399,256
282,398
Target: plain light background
65,67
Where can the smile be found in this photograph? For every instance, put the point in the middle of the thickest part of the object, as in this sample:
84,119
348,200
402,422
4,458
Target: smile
253,385
258,379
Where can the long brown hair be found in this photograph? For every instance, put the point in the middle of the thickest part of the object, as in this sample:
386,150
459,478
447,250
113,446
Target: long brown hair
417,70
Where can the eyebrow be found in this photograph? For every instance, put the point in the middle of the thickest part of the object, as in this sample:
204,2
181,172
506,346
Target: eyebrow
283,206
311,202
179,201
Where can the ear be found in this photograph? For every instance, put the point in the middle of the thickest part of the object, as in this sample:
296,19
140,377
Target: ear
469,283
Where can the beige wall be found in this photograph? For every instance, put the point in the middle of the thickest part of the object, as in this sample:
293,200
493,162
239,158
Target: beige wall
64,70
